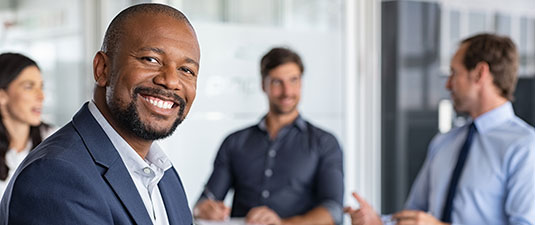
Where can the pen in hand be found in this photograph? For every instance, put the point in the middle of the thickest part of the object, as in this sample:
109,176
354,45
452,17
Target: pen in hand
211,208
208,194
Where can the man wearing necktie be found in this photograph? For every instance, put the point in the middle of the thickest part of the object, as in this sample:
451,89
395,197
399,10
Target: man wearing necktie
483,172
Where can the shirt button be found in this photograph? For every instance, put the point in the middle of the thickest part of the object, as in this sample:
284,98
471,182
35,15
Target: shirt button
272,153
146,170
268,173
265,194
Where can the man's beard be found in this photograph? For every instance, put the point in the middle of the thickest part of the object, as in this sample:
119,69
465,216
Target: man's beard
280,110
129,119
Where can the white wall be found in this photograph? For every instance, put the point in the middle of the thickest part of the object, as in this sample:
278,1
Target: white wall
229,95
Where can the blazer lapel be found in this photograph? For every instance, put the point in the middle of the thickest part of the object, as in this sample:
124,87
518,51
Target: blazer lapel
104,153
123,186
176,204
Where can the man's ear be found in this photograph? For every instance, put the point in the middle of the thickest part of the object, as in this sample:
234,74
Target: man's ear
263,84
3,97
101,69
482,72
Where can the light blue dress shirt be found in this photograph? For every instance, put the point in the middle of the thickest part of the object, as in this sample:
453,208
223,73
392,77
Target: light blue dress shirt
497,184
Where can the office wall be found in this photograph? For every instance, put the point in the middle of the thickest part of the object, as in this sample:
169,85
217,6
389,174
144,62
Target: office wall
64,35
229,93
51,34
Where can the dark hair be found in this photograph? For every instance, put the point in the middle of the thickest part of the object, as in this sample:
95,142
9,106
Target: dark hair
11,65
500,53
278,56
116,30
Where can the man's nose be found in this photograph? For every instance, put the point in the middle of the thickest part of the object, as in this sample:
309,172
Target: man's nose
448,83
169,78
287,89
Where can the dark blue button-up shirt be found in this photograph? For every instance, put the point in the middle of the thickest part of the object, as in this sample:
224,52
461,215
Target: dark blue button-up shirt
299,170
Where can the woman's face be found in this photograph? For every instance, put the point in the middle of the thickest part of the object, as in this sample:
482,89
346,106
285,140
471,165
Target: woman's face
22,101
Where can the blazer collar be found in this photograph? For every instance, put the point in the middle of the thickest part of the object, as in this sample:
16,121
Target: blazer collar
105,155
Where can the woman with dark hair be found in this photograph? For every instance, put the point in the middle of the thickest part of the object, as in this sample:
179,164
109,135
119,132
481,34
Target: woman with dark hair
21,101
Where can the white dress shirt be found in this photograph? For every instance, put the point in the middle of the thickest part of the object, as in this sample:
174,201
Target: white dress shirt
146,173
13,160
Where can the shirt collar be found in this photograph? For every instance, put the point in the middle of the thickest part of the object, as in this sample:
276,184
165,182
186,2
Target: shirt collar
494,117
133,161
299,122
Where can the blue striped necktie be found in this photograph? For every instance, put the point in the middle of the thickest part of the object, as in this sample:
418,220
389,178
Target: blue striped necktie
448,205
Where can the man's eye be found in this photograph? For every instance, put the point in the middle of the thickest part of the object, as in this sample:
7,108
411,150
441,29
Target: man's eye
187,70
149,59
28,86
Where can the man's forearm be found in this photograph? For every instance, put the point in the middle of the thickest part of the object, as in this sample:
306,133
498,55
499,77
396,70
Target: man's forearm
316,216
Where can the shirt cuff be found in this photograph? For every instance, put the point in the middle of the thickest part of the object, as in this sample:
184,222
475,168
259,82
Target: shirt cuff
335,209
388,220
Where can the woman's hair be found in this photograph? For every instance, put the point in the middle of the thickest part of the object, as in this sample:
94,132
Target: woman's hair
11,65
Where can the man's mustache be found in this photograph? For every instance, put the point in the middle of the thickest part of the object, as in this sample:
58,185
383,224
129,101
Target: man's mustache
160,92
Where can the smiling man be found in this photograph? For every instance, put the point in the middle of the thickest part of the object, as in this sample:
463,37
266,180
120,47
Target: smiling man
283,170
103,167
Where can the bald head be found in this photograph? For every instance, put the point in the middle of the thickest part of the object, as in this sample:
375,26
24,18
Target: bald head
116,29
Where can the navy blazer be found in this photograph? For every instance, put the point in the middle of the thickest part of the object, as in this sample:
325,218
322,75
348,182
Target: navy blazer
76,176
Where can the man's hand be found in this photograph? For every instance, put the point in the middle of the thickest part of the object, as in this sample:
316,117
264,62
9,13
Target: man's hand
211,210
414,217
262,215
365,215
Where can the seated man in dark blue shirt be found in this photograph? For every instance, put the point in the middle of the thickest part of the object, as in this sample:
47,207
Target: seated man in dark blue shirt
283,170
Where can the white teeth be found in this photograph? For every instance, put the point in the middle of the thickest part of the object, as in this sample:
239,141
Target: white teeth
160,103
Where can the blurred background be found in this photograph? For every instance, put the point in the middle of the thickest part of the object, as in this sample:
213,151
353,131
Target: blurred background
374,72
